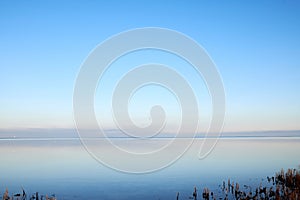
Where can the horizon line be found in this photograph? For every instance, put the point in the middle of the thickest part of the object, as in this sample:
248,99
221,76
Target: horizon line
118,130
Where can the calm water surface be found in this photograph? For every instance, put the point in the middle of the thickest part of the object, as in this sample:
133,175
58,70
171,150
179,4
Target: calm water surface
63,167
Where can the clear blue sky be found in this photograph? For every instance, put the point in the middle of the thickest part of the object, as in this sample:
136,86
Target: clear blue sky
255,45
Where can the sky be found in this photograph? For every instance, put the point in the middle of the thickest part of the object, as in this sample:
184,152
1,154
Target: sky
254,44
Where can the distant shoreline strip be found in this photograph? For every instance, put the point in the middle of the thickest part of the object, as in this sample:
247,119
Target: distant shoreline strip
131,138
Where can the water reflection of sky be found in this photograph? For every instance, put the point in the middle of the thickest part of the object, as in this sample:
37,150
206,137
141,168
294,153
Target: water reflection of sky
65,168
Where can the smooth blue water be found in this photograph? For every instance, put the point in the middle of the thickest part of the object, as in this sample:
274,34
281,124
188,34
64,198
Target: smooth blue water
62,166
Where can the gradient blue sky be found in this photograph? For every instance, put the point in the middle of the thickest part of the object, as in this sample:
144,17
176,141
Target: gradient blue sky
255,45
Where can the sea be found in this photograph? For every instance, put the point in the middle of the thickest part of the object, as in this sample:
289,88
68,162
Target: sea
63,166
